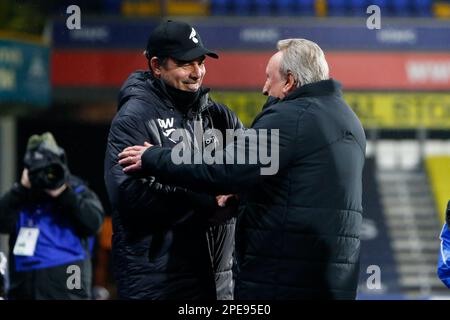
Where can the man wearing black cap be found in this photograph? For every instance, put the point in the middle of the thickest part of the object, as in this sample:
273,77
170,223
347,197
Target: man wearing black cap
168,242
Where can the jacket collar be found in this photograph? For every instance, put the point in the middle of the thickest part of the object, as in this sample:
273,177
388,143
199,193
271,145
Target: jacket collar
316,89
270,101
203,102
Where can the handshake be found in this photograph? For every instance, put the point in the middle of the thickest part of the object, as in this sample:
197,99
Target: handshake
227,208
228,200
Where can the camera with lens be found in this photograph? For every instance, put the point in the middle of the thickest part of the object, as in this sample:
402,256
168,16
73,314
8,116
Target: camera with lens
46,166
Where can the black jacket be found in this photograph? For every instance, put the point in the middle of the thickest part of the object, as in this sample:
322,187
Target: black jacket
164,247
298,236
77,207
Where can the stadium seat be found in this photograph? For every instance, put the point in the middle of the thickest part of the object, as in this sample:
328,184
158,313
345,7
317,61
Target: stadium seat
422,8
219,7
112,6
358,7
263,7
242,7
383,4
401,8
305,7
337,7
285,7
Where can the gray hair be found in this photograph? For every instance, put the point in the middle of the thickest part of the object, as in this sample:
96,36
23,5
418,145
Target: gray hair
304,60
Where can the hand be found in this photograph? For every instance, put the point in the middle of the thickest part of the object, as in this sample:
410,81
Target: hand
130,157
226,211
56,192
222,199
24,180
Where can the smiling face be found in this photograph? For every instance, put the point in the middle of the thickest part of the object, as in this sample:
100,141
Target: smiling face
183,75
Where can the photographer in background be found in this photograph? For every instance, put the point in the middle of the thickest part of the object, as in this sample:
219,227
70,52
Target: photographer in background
51,217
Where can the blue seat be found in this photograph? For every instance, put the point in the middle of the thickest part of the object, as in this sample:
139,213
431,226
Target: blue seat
384,6
337,7
423,8
306,7
401,8
242,7
220,7
358,7
112,6
262,7
285,7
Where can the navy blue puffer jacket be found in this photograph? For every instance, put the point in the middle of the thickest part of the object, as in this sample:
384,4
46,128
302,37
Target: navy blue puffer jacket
298,234
163,245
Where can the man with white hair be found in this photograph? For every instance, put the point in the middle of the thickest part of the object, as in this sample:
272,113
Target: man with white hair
298,235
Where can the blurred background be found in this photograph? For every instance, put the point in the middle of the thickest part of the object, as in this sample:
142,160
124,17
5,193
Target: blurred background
396,78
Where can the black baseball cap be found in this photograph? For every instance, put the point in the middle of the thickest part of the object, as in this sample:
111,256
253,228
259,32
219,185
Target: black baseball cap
178,40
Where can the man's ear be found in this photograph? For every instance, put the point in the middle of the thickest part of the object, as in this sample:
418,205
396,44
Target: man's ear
290,84
155,67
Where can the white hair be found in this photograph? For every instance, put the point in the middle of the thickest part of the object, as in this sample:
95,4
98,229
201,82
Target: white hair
304,60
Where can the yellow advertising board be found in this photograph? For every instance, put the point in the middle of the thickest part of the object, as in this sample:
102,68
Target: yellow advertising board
246,104
401,110
375,110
